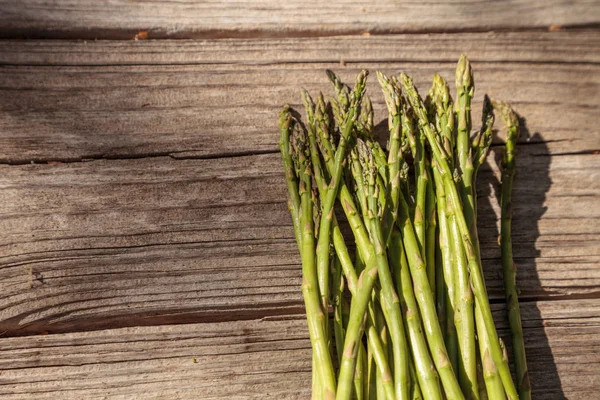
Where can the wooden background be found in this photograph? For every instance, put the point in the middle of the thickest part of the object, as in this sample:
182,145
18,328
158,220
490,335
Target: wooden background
146,251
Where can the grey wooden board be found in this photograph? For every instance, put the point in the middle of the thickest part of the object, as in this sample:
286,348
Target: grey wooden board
67,101
122,19
156,240
261,358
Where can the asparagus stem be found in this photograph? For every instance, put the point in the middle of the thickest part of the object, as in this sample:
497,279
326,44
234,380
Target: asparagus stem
392,94
463,316
444,114
448,271
431,221
390,302
286,125
444,121
425,369
318,120
338,322
479,149
464,93
310,291
421,192
424,296
493,383
477,281
348,205
333,189
360,373
372,375
441,289
377,337
508,266
415,388
482,141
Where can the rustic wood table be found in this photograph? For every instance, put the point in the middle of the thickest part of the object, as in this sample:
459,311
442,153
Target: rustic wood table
146,251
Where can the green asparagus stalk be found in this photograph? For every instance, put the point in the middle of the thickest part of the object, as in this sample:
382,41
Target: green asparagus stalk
286,125
451,338
318,121
424,296
479,149
463,312
421,192
508,267
393,99
390,302
430,231
345,196
443,113
425,369
464,317
361,383
337,300
464,93
493,383
477,281
310,291
415,388
377,337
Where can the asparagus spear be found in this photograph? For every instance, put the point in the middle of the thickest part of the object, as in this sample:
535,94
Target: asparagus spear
332,192
464,93
286,125
477,281
377,338
430,229
508,267
393,99
463,312
321,139
390,302
441,102
425,369
480,147
310,291
424,296
465,322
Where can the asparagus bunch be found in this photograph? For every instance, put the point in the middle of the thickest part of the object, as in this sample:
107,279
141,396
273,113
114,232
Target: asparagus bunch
406,315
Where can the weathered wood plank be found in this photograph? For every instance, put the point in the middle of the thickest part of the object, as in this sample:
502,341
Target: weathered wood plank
570,47
158,240
258,358
123,19
225,107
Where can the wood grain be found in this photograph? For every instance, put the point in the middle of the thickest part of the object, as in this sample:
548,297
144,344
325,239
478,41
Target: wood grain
258,358
121,19
159,240
225,96
180,215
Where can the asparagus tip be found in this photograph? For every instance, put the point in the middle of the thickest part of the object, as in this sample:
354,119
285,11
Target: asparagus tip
464,74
